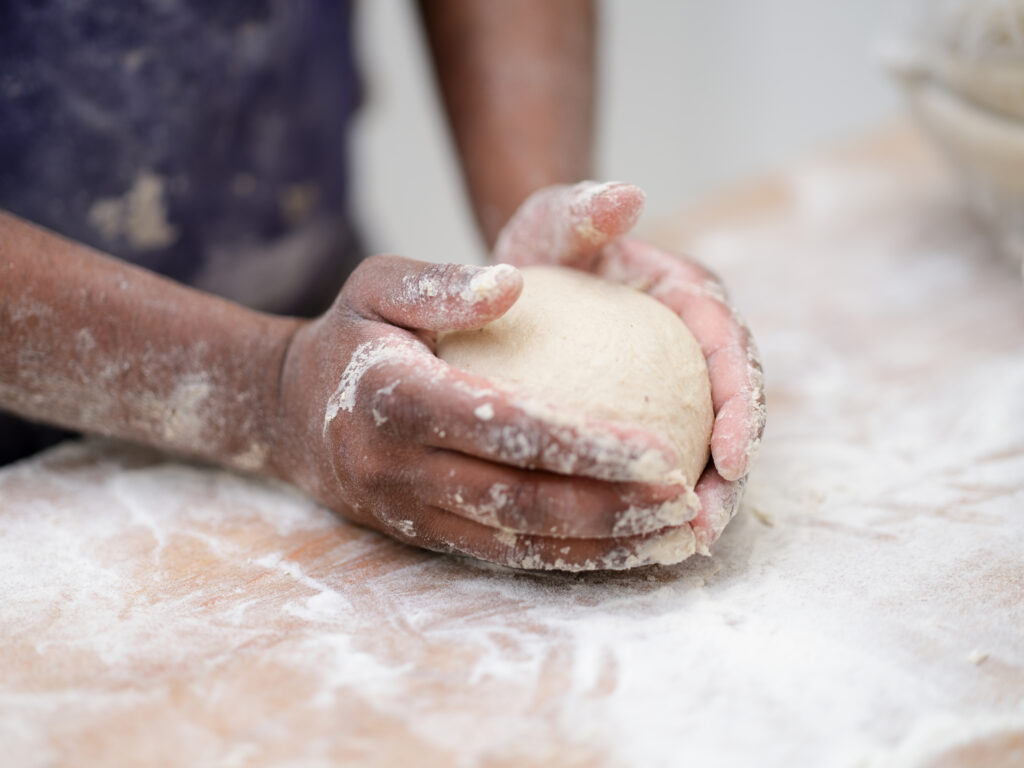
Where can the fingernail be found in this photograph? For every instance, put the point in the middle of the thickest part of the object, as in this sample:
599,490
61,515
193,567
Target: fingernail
488,281
586,191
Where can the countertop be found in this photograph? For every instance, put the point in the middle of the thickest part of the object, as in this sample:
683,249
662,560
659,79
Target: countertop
865,607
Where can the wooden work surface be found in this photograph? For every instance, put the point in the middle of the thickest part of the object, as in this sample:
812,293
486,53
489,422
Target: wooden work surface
866,607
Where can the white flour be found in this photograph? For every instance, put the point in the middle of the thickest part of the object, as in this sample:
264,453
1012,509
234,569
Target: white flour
151,608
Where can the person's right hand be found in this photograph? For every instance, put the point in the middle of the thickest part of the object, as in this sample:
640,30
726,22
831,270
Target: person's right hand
586,226
376,427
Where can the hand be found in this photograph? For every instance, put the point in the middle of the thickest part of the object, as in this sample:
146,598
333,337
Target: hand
584,227
376,427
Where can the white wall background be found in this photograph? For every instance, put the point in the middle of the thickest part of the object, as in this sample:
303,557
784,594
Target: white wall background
695,94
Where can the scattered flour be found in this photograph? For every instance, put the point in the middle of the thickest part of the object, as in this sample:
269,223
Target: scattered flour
150,606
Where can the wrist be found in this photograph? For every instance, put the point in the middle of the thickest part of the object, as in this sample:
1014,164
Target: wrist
289,427
273,426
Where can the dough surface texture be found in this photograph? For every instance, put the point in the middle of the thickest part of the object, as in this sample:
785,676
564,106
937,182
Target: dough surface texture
606,350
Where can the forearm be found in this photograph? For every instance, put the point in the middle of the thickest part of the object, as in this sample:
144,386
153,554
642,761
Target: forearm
94,344
518,83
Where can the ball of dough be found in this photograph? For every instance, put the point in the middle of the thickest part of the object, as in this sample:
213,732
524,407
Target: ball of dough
601,348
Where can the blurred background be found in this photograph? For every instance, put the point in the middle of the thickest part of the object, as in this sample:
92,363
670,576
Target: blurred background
694,96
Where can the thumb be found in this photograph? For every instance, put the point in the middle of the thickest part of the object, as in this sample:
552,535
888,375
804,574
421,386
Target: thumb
431,297
565,224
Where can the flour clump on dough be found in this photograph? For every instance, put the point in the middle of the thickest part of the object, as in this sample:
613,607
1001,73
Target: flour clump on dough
600,348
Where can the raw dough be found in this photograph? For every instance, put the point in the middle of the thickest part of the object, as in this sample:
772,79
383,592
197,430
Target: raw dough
599,347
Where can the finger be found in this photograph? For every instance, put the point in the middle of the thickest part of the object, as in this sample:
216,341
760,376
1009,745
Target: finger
687,288
740,414
408,392
424,400
719,500
544,503
432,297
442,531
569,224
644,265
734,368
602,213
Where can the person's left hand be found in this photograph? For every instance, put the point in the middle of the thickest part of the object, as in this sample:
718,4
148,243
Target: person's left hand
585,226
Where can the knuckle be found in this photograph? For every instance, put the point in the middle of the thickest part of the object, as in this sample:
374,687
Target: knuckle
373,263
382,394
364,277
360,274
386,395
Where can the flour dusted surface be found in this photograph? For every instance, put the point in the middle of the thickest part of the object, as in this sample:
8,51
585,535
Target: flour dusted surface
863,609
